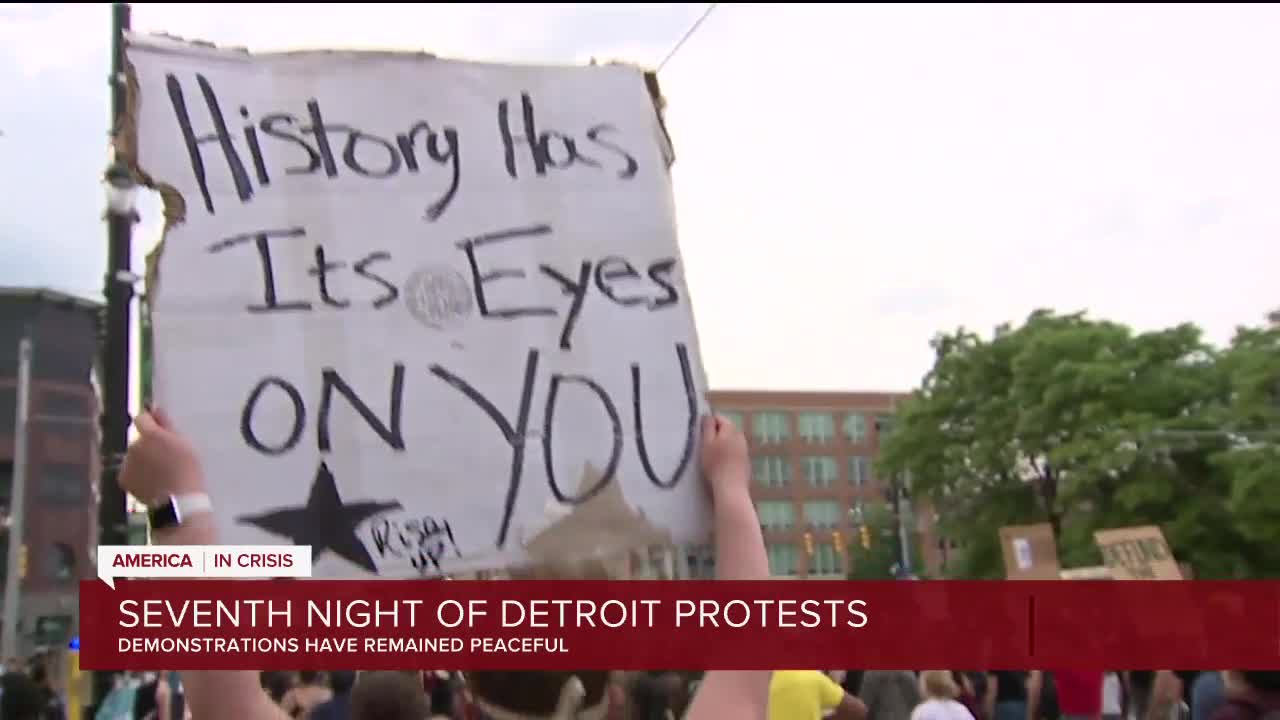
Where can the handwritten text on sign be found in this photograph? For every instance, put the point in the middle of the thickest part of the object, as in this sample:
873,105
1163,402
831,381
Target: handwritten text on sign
422,316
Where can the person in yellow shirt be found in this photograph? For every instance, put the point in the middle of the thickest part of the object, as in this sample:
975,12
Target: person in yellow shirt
810,695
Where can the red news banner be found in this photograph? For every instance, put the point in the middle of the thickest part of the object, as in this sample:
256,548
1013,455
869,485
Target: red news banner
634,625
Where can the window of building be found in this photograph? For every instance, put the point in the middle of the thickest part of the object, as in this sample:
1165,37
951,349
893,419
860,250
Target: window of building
734,417
60,562
770,427
816,428
884,425
822,513
855,427
771,471
826,561
63,483
859,470
821,471
776,514
782,560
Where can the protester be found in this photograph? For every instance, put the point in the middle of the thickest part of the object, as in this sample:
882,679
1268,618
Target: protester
161,464
21,698
968,696
940,690
54,709
1007,695
1113,697
1208,693
1250,695
310,692
890,694
809,695
338,706
1079,694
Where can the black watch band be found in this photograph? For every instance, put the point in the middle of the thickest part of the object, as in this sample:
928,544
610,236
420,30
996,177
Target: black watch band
175,510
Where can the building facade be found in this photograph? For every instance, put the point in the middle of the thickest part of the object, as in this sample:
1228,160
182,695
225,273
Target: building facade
814,476
60,519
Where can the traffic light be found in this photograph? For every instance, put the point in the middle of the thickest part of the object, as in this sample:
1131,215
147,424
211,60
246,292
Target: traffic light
808,544
22,561
837,539
866,537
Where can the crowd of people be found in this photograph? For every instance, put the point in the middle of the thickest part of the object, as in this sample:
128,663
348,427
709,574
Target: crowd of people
27,690
161,464
793,695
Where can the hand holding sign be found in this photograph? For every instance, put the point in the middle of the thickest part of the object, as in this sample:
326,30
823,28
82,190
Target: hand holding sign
160,462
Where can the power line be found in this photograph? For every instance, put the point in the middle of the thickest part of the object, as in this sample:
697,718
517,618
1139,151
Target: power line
688,34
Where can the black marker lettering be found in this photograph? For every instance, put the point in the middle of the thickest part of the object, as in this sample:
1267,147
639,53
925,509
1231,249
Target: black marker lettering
660,274
268,127
479,278
299,417
255,149
321,135
392,435
615,425
349,155
515,436
220,135
577,290
612,269
261,240
321,272
447,154
631,166
361,268
691,400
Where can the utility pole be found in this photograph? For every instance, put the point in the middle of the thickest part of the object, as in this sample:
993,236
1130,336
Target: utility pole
118,289
17,503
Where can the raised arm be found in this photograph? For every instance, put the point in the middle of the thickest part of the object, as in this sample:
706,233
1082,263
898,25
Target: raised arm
160,464
740,555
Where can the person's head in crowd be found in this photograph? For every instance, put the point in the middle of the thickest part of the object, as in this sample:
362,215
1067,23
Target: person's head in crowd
341,681
938,685
1262,681
544,693
20,697
388,695
276,683
309,677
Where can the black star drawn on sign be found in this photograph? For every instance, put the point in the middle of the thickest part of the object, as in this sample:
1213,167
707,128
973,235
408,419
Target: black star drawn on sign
324,523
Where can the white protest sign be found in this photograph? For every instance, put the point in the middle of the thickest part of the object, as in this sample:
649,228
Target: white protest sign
422,316
202,561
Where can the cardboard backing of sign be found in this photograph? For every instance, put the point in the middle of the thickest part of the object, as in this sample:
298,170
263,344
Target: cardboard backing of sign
1138,553
1030,552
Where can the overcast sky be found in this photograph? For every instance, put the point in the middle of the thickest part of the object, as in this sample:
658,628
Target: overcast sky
850,179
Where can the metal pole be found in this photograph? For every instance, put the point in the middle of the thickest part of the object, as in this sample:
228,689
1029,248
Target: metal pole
17,503
118,289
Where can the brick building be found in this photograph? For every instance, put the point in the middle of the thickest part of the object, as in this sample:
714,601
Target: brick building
62,455
813,462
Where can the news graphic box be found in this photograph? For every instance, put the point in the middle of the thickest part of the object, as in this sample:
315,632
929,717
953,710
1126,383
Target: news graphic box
1138,553
1030,552
423,316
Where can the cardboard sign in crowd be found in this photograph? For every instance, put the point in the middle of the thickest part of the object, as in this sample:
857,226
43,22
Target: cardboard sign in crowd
424,316
1132,553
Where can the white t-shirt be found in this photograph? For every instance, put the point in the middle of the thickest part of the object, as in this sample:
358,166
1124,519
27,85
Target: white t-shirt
1111,692
934,709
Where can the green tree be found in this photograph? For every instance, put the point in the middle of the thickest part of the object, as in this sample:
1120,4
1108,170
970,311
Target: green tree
1080,423
1251,417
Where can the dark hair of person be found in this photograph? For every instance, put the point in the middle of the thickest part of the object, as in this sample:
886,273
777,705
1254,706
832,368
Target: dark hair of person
387,695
